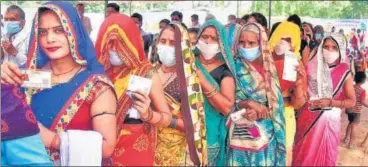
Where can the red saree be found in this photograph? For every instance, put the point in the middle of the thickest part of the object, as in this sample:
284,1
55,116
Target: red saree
135,143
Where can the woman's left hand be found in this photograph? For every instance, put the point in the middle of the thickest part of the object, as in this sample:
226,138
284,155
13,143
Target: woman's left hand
321,103
141,102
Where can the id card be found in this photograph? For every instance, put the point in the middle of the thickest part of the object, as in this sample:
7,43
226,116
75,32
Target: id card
290,62
37,79
139,83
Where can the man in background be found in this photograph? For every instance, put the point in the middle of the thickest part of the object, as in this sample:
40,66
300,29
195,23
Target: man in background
195,22
15,40
86,21
231,18
177,17
112,8
147,37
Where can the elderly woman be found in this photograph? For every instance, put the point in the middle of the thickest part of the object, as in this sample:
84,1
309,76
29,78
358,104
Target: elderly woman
258,138
330,89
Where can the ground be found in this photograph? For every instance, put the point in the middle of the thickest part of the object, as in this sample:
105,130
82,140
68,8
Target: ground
357,157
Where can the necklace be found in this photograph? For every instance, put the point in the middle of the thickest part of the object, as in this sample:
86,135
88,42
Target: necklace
63,72
54,81
169,78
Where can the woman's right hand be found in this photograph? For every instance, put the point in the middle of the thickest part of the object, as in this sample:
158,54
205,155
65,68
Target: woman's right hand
11,74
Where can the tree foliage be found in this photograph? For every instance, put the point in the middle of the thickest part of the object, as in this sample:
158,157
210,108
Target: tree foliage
315,9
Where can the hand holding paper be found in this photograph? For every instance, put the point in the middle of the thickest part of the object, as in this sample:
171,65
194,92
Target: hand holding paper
140,99
290,64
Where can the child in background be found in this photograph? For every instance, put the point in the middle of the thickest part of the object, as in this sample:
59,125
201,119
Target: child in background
354,113
21,144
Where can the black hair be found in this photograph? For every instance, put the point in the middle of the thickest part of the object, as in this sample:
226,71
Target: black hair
360,77
195,16
166,21
193,30
309,24
245,17
80,4
115,6
177,13
138,16
358,31
274,26
233,16
17,9
295,19
260,18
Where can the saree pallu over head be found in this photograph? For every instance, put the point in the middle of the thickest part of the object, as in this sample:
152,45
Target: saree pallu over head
232,29
190,108
321,129
119,33
252,86
56,108
215,121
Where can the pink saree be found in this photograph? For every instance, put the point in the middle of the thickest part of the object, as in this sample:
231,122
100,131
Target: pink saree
318,132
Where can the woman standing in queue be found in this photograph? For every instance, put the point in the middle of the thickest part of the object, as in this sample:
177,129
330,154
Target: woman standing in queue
261,142
215,71
120,49
81,96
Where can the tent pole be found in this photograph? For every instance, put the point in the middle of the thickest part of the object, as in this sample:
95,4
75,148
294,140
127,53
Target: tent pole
269,14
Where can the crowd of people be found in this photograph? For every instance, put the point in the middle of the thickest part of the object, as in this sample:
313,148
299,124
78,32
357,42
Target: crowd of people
221,95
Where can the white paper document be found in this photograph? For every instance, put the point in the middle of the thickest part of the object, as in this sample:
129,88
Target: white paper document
137,83
290,64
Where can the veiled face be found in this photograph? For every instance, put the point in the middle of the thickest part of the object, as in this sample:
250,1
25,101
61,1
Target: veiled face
52,36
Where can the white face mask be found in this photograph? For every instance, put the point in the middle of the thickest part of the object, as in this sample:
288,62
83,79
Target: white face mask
329,56
282,48
166,55
208,50
115,59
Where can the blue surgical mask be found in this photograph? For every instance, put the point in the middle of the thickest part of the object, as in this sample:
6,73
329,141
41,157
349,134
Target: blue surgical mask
12,27
250,54
318,36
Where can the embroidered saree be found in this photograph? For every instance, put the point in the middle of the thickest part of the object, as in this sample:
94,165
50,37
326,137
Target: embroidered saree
216,130
136,142
318,132
184,96
265,90
66,105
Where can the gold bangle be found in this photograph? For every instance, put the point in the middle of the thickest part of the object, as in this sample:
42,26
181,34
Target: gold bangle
213,94
161,118
210,92
149,117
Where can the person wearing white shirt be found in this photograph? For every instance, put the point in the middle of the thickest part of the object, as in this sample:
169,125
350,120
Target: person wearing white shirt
14,41
195,22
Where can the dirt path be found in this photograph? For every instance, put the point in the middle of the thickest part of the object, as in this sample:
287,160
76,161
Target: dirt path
357,157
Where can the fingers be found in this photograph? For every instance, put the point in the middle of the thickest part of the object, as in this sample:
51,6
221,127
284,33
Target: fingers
15,69
5,78
251,115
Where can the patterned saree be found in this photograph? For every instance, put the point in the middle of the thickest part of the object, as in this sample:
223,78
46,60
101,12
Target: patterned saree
66,105
184,96
265,90
136,142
